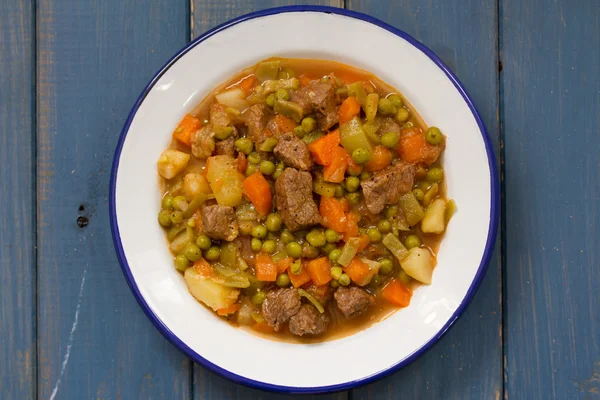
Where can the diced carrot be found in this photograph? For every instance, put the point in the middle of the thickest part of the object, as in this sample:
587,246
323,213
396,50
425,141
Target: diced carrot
345,205
203,268
265,269
304,80
353,167
324,149
333,214
186,128
351,226
248,83
335,171
319,270
284,264
262,327
381,157
349,109
228,310
363,242
284,124
258,191
302,278
359,272
397,293
241,163
414,148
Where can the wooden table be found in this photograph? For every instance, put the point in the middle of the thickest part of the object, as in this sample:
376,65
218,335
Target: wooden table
72,69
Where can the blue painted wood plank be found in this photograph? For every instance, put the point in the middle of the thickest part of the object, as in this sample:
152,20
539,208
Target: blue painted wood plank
94,58
17,200
206,14
467,362
551,114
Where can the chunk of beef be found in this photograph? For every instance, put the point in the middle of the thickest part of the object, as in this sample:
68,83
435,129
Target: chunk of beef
256,121
279,306
322,293
293,190
203,142
308,321
244,246
219,222
386,186
293,152
353,301
227,147
319,97
388,125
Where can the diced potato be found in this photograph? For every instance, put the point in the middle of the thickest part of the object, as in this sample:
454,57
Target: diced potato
172,162
225,180
208,292
195,184
434,219
233,98
418,264
244,315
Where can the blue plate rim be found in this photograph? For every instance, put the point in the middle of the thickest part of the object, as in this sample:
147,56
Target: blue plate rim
483,266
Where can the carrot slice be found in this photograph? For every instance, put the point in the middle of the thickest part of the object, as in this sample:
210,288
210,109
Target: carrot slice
359,272
334,172
349,109
284,124
324,149
248,83
333,214
302,278
319,270
363,242
381,157
265,270
351,226
228,310
258,191
186,128
203,268
284,264
397,293
414,148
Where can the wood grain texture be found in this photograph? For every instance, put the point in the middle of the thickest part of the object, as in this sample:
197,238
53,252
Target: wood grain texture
94,58
17,200
467,362
551,115
206,14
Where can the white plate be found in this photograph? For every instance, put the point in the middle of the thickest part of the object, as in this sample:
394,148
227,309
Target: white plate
326,33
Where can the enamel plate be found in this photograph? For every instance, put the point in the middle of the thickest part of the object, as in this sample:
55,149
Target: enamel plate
327,33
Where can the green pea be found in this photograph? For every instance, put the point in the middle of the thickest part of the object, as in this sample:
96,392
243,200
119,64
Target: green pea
435,174
384,226
385,107
269,144
419,194
385,266
282,94
259,231
283,280
258,298
316,238
374,235
192,252
332,236
213,253
375,281
244,145
223,132
287,236
164,218
176,217
336,272
278,170
344,280
390,140
270,100
339,191
256,244
308,124
254,158
309,251
391,211
167,202
298,131
181,262
403,277
412,241
408,125
365,175
180,203
250,169
296,267
269,246
353,198
334,255
267,167
328,248
273,222
203,242
293,249
272,236
434,135
352,183
402,115
361,156
395,99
